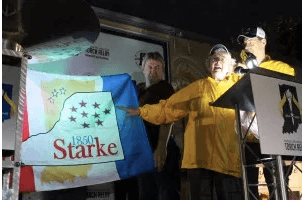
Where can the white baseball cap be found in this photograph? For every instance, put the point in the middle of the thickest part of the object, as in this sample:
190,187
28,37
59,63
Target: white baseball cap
251,33
218,47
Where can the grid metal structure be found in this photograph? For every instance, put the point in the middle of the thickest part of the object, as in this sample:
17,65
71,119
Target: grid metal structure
11,159
274,164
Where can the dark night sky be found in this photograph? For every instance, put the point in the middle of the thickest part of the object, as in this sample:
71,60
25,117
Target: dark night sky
223,20
214,18
218,19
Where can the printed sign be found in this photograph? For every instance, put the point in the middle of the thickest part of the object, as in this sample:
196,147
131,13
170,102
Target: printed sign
8,106
278,106
109,55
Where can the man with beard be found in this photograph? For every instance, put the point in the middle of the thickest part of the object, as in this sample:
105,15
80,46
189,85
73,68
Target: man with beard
164,182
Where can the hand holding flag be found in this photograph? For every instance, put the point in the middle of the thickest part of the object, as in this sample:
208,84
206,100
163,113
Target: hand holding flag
130,111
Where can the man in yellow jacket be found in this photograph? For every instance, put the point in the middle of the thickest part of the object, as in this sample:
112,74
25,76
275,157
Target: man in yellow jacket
211,153
254,41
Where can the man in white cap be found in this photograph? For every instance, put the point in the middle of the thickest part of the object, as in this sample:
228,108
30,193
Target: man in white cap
211,156
254,41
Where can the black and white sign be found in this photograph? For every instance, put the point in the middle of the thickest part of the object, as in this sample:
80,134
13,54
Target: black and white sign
278,105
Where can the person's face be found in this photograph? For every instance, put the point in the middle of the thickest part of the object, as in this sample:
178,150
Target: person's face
254,45
219,65
153,71
288,94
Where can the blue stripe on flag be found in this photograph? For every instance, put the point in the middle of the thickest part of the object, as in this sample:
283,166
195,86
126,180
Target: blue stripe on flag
137,152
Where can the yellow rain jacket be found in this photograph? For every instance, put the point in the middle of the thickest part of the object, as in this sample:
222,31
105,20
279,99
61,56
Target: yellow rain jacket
277,66
210,140
273,65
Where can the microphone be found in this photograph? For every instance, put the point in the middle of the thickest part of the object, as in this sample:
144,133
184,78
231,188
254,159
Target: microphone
249,59
241,70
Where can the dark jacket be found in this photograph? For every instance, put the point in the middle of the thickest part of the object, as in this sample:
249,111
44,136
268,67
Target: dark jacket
152,95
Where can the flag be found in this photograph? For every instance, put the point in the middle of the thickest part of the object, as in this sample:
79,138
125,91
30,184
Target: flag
75,135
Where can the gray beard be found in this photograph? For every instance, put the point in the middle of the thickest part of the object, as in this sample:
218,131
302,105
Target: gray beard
153,79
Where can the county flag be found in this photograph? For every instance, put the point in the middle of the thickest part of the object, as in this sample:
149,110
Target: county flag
86,132
75,135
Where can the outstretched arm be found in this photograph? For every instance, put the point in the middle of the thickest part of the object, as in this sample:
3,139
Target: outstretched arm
167,111
130,111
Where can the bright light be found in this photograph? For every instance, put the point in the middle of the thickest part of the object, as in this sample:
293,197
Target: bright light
251,61
57,49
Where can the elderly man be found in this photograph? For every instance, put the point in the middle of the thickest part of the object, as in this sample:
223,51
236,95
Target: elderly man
164,183
254,41
211,153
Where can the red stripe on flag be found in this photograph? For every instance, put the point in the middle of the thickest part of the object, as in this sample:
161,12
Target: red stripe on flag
27,182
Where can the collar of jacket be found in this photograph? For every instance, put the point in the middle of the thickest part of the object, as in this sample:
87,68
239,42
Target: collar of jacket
267,58
213,80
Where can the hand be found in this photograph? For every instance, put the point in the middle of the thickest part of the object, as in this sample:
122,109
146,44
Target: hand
130,111
241,65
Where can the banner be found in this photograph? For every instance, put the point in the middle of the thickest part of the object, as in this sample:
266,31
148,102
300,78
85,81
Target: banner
8,106
279,115
75,135
107,56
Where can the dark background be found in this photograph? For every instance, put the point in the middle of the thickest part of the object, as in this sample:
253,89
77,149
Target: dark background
224,19
214,19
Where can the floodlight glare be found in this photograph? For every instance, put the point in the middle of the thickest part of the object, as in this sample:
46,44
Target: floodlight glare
251,61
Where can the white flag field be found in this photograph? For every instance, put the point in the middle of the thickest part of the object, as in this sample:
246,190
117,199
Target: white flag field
75,135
